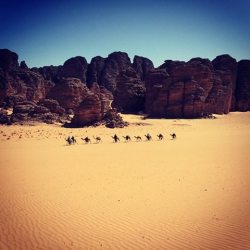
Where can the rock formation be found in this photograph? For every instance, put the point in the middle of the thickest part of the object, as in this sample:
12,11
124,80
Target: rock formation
129,95
69,92
142,66
243,86
88,112
179,89
50,93
193,89
75,67
174,90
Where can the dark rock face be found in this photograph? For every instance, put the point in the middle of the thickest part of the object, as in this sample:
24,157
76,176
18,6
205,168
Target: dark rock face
26,84
115,64
179,89
192,89
157,84
75,67
105,70
122,78
129,95
142,66
50,105
95,71
225,68
243,86
51,73
8,60
29,111
69,92
23,65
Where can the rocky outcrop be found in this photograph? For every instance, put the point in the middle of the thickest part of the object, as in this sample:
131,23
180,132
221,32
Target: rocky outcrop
122,78
93,108
114,120
193,89
142,66
225,70
104,96
51,105
51,73
23,65
8,60
75,67
88,112
176,89
129,96
104,71
243,86
20,83
157,91
69,92
179,89
95,71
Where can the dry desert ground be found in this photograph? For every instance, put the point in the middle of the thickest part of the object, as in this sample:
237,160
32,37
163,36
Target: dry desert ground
189,193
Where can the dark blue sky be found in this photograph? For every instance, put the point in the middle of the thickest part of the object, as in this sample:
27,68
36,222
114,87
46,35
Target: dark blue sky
49,32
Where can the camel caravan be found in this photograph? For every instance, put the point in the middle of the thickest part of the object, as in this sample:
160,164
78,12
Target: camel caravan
70,140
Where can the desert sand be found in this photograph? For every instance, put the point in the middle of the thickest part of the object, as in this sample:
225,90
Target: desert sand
189,193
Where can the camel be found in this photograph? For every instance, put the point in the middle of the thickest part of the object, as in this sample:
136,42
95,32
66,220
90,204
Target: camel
138,138
148,137
127,138
86,139
69,140
97,139
115,138
160,136
73,139
173,136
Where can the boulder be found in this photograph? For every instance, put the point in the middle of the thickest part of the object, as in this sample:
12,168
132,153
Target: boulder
88,112
41,110
51,105
24,108
4,117
113,120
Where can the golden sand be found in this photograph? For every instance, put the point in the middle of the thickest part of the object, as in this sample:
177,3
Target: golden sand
189,193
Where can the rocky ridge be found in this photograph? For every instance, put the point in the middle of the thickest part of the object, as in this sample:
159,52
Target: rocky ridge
88,92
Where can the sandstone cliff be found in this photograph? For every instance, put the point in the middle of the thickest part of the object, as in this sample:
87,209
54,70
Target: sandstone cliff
88,91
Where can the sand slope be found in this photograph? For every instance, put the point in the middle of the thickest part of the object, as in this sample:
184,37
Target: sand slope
189,193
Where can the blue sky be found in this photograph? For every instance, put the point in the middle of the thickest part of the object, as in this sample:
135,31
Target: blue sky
50,32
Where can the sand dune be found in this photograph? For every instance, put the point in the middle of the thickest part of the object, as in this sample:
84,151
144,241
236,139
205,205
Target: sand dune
188,193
